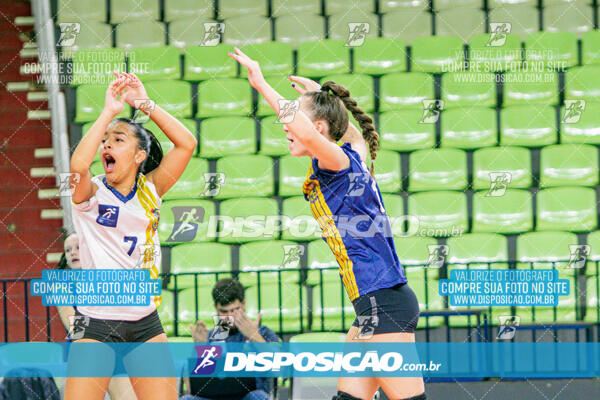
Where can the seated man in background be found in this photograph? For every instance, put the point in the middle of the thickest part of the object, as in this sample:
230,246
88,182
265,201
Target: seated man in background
233,326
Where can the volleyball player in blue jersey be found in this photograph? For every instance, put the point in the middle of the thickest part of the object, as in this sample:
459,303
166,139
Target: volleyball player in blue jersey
341,190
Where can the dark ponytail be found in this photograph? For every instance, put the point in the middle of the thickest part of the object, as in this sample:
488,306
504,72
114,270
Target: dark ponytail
147,142
364,121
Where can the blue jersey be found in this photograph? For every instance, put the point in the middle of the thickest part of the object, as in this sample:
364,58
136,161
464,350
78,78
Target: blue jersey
347,205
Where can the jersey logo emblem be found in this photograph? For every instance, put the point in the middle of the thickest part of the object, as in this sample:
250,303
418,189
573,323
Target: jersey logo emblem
186,223
107,215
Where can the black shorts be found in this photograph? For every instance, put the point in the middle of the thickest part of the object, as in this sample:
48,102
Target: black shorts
105,330
390,310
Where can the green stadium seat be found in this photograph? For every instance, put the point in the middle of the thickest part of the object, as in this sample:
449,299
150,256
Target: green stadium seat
273,141
488,161
189,220
437,169
451,4
96,66
524,18
581,83
575,17
528,125
292,173
387,171
140,34
340,28
246,175
301,225
236,8
298,7
590,47
152,63
530,88
227,135
166,312
247,29
331,307
173,96
405,90
565,311
467,88
401,131
90,103
165,142
437,54
222,97
406,25
291,306
320,257
190,32
96,168
593,258
268,262
237,228
501,3
206,62
477,250
360,87
552,49
569,164
472,22
81,11
386,6
510,212
414,250
212,261
494,58
286,29
592,313
378,56
338,6
566,209
92,35
442,213
583,128
275,58
192,309
129,10
192,182
394,208
283,86
546,249
469,127
321,58
179,9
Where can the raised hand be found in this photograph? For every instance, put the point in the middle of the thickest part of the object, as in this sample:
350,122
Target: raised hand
309,84
115,96
199,332
136,95
255,76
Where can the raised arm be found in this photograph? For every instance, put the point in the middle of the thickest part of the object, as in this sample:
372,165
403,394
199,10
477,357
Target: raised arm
174,162
352,135
86,150
329,154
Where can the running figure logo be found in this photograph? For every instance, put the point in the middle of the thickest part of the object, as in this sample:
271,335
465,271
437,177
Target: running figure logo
358,182
207,359
499,181
357,33
213,183
431,111
498,32
186,223
68,181
579,255
291,255
508,326
437,255
287,111
77,325
573,111
107,215
212,33
68,33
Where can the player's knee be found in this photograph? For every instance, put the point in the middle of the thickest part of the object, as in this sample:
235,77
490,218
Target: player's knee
344,396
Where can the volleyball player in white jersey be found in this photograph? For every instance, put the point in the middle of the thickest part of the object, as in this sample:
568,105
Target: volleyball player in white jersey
116,217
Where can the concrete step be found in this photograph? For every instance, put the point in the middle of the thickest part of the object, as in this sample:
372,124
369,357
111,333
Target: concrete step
47,152
52,214
37,96
38,114
42,172
24,21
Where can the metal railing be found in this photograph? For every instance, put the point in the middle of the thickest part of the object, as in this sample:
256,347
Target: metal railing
48,59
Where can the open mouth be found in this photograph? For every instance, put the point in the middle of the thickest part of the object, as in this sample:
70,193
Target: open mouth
75,260
109,163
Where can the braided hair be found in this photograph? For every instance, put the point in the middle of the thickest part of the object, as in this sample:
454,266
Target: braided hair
331,103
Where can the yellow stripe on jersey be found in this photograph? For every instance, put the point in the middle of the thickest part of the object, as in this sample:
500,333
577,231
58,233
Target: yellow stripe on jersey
149,203
323,215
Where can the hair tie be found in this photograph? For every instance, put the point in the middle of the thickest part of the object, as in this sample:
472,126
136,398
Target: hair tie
328,90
